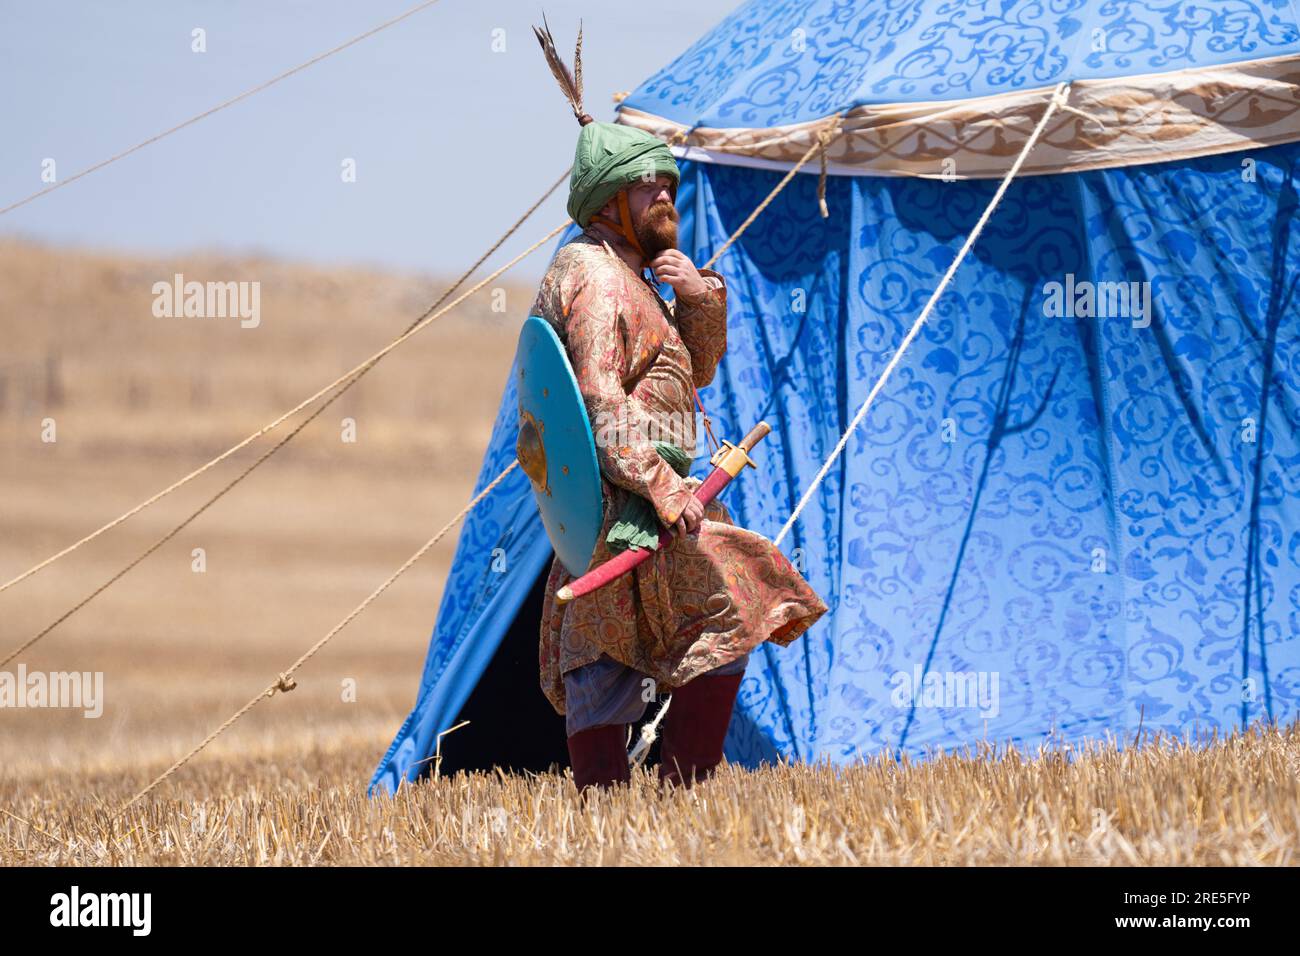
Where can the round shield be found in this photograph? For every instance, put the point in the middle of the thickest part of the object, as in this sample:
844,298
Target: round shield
556,448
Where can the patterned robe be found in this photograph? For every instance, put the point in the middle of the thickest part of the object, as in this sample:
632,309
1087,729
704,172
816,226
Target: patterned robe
702,601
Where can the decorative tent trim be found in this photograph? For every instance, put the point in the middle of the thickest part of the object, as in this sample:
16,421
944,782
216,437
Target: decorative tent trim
1150,118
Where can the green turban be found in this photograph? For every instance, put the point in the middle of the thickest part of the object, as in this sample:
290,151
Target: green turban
609,157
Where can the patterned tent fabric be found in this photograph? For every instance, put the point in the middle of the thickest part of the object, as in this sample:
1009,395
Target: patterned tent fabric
776,62
1050,523
1076,508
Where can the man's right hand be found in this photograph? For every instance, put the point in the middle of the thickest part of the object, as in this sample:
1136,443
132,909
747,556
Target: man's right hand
688,522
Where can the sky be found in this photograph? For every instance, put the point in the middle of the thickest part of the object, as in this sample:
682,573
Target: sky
451,140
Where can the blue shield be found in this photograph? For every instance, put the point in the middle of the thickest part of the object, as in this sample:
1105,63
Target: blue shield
556,448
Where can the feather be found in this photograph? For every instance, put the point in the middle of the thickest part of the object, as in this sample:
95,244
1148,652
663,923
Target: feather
570,83
577,67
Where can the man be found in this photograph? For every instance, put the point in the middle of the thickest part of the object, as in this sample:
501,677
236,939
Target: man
686,620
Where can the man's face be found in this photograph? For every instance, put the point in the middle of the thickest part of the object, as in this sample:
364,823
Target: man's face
654,217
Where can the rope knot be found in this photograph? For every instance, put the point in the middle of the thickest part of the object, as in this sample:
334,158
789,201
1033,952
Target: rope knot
829,131
1061,100
824,136
681,136
284,684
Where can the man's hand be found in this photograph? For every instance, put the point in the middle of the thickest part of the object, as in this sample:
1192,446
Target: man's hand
674,268
688,522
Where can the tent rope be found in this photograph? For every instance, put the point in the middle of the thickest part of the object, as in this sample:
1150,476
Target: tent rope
284,681
1057,101
833,126
825,137
646,738
218,108
255,465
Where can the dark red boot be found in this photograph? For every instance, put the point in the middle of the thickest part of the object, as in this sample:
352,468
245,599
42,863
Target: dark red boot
695,728
599,756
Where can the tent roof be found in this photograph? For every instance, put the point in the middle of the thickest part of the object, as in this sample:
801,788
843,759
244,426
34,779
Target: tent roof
951,88
776,62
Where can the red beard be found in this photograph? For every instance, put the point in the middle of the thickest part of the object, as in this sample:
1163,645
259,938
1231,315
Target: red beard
657,229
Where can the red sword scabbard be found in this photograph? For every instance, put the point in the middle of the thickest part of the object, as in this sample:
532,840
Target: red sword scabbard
729,461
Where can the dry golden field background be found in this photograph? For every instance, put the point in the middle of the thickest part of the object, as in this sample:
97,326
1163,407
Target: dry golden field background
138,401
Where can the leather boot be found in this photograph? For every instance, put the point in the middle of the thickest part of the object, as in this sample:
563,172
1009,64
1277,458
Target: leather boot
695,728
599,757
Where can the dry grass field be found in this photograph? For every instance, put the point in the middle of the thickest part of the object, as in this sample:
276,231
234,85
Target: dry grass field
138,401
1235,803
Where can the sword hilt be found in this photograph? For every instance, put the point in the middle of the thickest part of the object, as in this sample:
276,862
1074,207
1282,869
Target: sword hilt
733,458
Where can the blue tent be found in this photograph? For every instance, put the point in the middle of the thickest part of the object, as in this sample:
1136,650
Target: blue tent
1076,507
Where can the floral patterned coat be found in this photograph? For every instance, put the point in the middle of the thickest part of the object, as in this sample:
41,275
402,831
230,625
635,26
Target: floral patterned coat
701,601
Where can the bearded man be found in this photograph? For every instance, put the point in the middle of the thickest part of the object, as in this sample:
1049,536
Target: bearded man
686,619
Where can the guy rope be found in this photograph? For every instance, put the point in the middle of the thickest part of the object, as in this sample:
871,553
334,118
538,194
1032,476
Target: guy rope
284,682
1058,100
